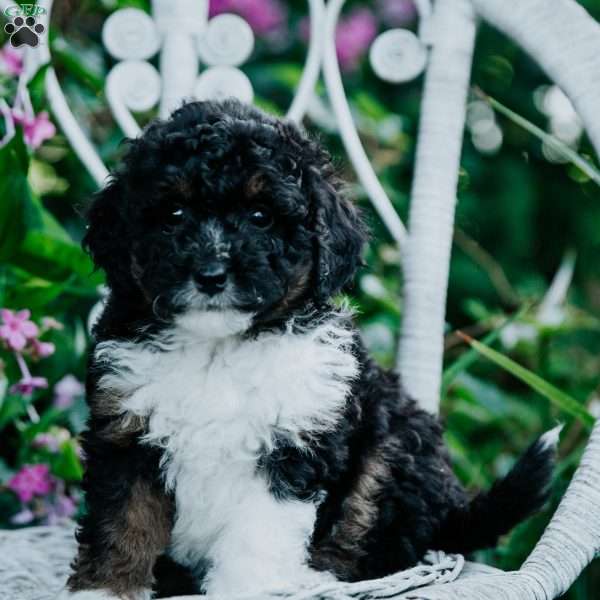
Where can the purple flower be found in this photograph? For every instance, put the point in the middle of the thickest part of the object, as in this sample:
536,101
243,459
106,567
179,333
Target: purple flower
353,37
36,129
11,59
23,517
30,481
66,390
51,323
46,441
63,507
28,384
264,16
41,349
51,440
397,13
16,328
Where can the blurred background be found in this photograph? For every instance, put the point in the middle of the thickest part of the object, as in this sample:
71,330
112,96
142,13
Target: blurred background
527,216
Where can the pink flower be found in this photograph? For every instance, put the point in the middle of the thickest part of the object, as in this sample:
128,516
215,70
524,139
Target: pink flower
23,517
51,323
11,59
41,349
66,390
46,441
17,328
397,13
62,507
30,481
36,129
353,37
51,440
28,384
264,16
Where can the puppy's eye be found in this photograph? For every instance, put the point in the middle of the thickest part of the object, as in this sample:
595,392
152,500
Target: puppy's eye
260,217
170,217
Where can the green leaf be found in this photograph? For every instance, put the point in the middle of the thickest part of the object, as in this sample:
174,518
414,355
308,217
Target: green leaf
38,217
76,62
55,259
37,89
67,465
13,406
551,141
468,358
35,292
563,401
14,196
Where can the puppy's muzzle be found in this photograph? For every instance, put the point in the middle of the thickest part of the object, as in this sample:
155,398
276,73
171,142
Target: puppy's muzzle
211,279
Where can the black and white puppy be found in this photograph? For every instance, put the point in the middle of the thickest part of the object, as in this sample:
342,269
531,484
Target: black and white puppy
237,425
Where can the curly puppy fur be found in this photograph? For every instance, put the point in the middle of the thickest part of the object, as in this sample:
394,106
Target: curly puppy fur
240,437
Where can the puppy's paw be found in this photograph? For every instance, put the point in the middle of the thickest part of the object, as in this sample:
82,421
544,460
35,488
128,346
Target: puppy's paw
310,578
101,595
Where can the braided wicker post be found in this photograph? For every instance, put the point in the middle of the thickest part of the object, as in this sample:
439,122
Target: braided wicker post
431,221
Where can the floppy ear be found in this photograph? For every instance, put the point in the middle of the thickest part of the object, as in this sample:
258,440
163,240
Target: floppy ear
106,237
340,237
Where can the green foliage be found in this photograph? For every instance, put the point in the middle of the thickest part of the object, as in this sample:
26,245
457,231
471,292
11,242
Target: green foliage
522,206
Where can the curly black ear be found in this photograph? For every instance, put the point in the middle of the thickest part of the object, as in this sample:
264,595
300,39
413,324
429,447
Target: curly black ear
340,237
106,237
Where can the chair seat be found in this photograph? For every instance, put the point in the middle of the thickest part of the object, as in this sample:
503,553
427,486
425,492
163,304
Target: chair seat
34,564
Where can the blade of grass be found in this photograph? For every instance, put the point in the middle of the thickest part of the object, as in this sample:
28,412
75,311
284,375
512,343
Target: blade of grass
469,357
567,152
563,401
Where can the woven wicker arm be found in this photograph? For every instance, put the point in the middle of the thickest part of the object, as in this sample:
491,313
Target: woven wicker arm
565,41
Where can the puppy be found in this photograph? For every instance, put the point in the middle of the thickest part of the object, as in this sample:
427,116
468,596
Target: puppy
237,425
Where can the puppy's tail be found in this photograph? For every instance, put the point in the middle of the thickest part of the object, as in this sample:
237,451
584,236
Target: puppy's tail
479,523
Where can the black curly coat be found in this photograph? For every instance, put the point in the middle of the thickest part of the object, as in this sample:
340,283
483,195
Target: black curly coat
219,175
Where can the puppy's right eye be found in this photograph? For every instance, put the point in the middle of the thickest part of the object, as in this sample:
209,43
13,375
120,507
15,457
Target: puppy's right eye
171,217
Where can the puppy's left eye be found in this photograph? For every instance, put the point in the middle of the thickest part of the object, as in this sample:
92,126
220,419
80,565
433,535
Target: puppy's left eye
260,217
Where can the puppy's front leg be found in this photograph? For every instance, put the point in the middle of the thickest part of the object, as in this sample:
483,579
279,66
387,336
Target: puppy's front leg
263,546
127,525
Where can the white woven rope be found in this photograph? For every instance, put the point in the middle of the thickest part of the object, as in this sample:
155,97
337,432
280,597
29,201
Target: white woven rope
564,40
34,564
569,543
350,138
312,67
431,220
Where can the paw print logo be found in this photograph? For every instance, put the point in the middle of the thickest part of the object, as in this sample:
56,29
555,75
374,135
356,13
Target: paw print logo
24,32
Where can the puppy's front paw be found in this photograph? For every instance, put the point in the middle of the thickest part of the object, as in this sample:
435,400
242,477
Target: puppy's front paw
309,578
100,595
86,595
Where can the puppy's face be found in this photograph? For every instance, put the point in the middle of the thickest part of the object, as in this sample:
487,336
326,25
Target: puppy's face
223,207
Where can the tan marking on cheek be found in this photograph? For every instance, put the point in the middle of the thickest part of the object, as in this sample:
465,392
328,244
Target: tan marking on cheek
298,286
137,273
255,185
183,186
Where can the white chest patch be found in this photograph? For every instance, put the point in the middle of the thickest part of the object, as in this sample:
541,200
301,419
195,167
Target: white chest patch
214,401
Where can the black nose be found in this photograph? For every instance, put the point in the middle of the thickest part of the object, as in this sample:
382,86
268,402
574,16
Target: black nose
211,279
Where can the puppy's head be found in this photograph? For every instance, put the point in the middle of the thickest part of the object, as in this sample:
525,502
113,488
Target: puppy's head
224,207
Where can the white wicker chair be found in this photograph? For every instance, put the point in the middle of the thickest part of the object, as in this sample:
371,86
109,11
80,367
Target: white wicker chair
563,39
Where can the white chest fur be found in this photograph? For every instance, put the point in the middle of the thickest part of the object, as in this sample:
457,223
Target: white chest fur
214,401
